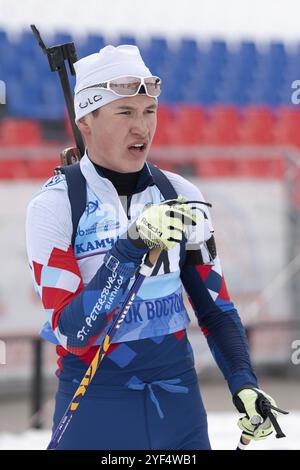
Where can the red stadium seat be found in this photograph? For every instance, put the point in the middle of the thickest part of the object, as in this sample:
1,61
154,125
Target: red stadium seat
232,167
257,126
287,128
68,127
165,120
15,132
188,126
222,126
16,168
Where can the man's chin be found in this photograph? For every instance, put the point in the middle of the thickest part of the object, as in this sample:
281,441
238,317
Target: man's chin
135,162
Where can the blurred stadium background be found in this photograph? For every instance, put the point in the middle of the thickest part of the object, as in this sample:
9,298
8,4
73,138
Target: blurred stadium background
226,120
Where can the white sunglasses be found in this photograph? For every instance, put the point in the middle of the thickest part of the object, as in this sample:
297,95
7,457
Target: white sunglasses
130,86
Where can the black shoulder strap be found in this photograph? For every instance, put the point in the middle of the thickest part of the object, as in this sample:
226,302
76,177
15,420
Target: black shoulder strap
77,190
162,182
77,194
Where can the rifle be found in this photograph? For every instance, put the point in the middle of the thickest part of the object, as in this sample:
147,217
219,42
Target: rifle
57,55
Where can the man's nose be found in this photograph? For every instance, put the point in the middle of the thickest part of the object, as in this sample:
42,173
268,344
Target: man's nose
139,126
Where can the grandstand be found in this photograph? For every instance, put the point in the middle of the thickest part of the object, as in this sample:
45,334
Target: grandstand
212,94
203,74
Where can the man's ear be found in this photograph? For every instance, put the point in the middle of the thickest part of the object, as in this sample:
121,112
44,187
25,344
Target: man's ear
83,125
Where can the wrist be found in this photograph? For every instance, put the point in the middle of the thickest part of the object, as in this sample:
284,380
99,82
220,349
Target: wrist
129,249
243,378
244,387
135,239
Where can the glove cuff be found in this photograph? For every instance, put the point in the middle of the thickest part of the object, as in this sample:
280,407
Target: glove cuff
135,239
237,401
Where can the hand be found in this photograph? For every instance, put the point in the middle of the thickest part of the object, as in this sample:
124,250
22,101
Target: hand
261,413
163,225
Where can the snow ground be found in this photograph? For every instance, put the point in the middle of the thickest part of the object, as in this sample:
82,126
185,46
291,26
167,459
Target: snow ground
224,434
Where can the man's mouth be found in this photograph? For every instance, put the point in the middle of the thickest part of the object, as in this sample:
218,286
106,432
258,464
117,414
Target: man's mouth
137,148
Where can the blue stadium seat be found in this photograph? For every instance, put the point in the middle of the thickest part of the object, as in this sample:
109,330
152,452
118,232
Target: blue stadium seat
172,93
200,92
23,101
188,50
30,73
265,93
191,73
61,38
206,96
10,61
27,46
179,69
52,100
124,39
91,44
272,63
278,53
233,92
292,70
159,44
156,53
51,90
3,37
238,70
248,51
218,52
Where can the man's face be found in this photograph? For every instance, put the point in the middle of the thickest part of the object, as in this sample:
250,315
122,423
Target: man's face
119,136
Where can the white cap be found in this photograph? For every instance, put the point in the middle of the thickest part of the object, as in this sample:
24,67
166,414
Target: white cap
110,62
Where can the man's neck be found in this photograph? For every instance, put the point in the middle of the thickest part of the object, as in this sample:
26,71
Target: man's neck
125,183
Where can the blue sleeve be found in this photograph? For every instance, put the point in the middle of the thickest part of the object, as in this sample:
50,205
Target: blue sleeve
86,316
220,323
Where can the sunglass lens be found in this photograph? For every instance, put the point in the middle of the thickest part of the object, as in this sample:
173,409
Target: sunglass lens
153,85
125,86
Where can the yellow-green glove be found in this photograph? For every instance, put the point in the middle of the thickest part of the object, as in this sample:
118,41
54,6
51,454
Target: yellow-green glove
163,225
261,413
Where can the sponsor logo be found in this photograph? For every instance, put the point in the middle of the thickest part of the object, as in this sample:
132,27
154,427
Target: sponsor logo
104,303
89,246
54,180
153,309
89,231
108,225
90,101
105,226
151,227
91,207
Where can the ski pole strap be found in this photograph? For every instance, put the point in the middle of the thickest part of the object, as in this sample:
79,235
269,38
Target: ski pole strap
264,407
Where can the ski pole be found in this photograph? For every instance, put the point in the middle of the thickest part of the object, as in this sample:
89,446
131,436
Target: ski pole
243,443
144,271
